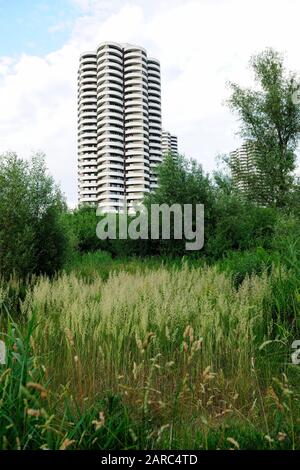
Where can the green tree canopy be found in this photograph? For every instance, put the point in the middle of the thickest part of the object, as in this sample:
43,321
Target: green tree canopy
32,236
269,118
182,181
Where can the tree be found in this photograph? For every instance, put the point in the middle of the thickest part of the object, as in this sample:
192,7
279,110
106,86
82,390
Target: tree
270,119
83,222
240,225
181,181
33,238
294,198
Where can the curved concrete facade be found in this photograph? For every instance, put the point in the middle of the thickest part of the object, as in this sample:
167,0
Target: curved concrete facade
169,143
87,128
119,125
136,123
110,133
155,132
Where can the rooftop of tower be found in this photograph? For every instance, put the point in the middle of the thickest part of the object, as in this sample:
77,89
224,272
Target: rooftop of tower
124,45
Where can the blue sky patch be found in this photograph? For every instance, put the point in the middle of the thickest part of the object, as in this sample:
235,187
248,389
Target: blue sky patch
35,27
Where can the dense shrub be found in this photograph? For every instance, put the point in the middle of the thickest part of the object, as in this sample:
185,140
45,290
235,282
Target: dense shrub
286,288
286,239
82,223
33,238
242,264
231,222
240,225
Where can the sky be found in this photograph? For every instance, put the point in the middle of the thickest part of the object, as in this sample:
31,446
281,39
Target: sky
201,44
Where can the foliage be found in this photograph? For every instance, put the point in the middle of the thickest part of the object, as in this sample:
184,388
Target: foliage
33,238
240,225
150,367
240,264
181,181
32,416
231,222
271,121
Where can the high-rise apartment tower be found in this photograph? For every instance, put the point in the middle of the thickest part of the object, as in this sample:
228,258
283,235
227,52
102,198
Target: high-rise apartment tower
245,174
119,125
169,143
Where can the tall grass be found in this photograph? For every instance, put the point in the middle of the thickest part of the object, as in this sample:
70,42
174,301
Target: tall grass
187,359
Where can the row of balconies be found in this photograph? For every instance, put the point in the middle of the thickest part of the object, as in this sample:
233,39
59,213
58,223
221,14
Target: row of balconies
136,62
117,108
87,81
92,127
87,101
112,119
109,69
87,65
132,51
134,148
114,64
111,84
110,116
106,80
108,99
88,58
135,74
111,58
155,130
87,87
140,100
112,49
110,92
110,143
87,113
106,132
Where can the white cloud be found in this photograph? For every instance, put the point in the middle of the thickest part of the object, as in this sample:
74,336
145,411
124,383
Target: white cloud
201,44
83,4
5,64
38,100
60,26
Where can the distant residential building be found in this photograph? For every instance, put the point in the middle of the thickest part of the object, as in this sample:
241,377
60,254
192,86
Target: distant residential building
245,174
169,143
119,125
